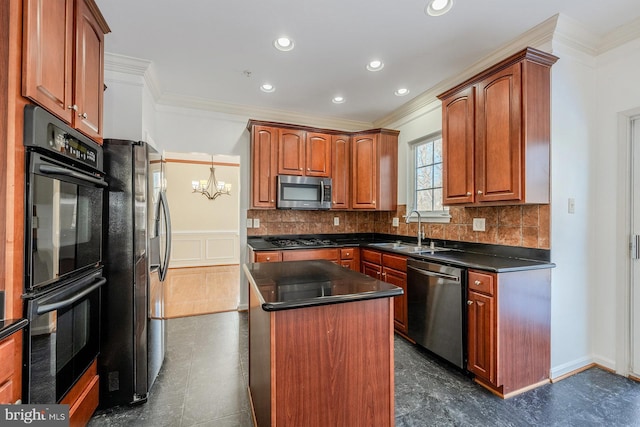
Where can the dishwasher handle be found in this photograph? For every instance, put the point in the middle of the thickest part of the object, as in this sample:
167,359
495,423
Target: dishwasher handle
434,274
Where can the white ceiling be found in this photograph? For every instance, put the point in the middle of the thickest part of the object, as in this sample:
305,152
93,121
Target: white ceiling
202,48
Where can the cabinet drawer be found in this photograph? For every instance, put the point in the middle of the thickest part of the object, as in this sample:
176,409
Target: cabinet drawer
394,261
481,282
7,348
347,253
268,256
374,257
310,254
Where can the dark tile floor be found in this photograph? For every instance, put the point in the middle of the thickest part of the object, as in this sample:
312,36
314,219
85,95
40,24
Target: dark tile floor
204,383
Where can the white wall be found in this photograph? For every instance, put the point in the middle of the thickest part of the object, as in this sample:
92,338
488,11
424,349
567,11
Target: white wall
618,91
123,106
572,135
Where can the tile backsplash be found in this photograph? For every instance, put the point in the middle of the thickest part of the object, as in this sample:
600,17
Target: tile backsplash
525,226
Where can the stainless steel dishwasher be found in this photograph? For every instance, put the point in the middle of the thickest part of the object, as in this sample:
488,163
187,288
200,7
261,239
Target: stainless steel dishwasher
436,296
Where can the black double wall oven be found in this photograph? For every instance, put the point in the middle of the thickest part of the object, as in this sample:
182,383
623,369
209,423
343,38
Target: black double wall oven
65,186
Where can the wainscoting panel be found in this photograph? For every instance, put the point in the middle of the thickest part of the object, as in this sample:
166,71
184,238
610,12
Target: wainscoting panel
204,248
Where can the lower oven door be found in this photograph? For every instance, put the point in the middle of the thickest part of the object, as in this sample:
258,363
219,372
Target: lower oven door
63,338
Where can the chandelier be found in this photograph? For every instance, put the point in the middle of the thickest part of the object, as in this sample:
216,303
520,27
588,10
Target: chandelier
211,188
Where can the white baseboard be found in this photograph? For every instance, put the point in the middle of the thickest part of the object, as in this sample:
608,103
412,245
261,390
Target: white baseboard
574,365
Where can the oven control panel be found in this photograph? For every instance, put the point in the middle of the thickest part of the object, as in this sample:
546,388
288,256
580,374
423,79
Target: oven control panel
65,144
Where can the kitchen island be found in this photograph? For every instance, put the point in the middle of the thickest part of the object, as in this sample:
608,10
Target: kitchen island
320,345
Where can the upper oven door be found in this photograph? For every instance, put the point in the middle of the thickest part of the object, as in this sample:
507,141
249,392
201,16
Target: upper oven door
63,221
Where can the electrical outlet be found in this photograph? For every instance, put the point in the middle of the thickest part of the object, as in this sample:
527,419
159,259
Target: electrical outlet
336,220
395,222
572,205
478,224
249,223
256,222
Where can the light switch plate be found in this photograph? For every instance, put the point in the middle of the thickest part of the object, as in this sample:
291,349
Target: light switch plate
249,223
256,222
395,222
336,220
478,224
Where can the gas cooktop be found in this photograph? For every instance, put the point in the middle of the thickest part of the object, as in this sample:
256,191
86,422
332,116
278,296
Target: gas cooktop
301,243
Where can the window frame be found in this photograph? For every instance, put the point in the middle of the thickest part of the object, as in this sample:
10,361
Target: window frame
442,216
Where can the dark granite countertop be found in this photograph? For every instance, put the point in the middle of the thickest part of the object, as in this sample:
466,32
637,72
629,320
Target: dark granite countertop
11,326
297,284
494,258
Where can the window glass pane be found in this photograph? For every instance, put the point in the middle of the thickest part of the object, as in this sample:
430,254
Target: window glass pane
437,151
424,178
421,155
425,200
437,199
437,175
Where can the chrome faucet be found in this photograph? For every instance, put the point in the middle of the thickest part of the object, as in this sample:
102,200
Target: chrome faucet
419,225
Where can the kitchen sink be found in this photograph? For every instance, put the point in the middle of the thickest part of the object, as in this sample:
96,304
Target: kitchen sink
408,248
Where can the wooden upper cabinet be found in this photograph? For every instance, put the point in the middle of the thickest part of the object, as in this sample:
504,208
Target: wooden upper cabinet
89,72
502,116
48,55
304,153
374,170
264,160
63,70
291,152
318,154
458,132
340,175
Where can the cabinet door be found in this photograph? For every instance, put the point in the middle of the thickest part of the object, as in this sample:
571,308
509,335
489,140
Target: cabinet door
291,152
89,72
48,55
371,270
341,178
398,278
481,336
318,154
458,136
364,171
498,137
264,146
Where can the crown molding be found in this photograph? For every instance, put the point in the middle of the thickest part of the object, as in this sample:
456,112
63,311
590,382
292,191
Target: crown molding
621,35
134,66
260,113
539,37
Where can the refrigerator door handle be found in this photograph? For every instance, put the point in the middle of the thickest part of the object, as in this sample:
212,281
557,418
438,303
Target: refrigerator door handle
163,205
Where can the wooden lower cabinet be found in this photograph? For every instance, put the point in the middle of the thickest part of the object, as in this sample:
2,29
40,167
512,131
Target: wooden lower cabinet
83,397
311,254
350,258
10,369
391,269
346,257
271,256
509,329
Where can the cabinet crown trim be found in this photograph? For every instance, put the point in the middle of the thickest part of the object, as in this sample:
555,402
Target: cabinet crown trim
527,54
93,7
251,123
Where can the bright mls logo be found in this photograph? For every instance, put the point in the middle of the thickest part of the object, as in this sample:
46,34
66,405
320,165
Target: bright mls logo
34,415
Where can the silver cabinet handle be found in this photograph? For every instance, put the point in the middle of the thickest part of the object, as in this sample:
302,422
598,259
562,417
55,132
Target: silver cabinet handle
83,115
469,302
468,193
73,107
479,191
477,282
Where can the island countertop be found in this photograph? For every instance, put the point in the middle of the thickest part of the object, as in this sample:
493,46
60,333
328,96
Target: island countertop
297,284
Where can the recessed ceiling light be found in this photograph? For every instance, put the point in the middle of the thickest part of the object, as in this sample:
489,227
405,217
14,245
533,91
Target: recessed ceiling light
375,65
283,43
438,7
402,91
338,99
267,88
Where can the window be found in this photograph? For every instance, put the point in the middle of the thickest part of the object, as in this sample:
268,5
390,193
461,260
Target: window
427,179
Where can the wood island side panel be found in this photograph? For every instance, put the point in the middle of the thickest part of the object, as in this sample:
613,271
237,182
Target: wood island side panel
260,363
334,365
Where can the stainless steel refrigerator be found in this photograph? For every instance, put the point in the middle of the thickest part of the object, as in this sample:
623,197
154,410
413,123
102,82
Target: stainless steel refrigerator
137,245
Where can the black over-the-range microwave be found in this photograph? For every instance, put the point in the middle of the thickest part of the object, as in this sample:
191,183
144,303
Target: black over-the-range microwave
303,192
